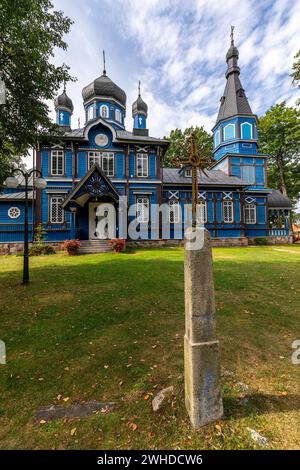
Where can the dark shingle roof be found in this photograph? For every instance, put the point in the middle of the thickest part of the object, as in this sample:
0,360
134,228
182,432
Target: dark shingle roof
276,200
125,135
214,177
104,86
64,101
19,196
139,107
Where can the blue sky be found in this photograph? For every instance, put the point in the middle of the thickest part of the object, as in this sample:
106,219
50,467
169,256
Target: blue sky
177,49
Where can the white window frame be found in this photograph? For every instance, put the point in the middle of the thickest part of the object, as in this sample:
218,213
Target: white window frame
243,176
118,115
56,218
202,212
228,218
91,112
217,138
224,131
174,211
106,113
250,214
142,209
106,161
142,170
188,172
251,129
57,154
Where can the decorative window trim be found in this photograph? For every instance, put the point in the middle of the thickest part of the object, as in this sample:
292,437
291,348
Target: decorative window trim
56,214
173,194
202,195
14,212
227,195
100,157
188,172
104,111
228,215
174,211
217,138
142,171
142,209
251,129
91,112
225,128
251,179
202,212
250,213
118,115
57,154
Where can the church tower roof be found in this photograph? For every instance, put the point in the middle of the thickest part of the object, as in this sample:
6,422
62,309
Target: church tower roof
139,106
63,101
234,101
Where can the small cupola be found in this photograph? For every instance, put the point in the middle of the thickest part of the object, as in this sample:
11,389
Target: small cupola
139,114
64,109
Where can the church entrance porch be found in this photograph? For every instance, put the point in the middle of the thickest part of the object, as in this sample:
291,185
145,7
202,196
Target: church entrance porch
102,221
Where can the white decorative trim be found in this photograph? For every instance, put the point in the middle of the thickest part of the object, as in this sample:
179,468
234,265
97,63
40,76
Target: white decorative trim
251,128
227,195
14,212
249,200
202,195
173,194
224,129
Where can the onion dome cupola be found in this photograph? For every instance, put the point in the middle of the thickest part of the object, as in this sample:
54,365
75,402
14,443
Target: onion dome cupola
235,121
64,109
139,114
103,98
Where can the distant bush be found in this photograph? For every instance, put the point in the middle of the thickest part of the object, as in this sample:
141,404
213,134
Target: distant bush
117,244
37,250
261,241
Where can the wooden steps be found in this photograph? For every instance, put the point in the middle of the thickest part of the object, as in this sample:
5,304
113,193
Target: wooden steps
94,246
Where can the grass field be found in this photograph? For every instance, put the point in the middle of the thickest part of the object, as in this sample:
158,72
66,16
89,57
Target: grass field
110,328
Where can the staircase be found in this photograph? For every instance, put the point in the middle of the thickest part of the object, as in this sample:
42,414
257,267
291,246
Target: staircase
94,246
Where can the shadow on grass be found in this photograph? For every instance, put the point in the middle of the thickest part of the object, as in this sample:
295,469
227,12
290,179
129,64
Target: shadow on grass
259,403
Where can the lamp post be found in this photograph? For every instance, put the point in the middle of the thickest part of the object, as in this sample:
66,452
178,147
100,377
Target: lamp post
12,182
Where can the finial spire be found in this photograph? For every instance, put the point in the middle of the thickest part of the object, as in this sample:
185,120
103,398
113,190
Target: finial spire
139,87
64,85
104,68
231,35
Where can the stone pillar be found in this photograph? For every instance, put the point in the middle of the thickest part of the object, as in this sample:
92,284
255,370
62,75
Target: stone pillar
203,397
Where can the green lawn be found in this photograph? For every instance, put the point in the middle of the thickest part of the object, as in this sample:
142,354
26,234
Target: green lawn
110,328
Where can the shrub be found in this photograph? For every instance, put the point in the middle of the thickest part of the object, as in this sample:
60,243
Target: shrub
117,244
72,246
261,241
37,250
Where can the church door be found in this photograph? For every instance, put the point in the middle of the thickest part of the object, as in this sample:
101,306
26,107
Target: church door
102,221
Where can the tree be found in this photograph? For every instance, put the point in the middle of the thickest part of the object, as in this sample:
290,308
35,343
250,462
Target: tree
30,30
279,132
178,142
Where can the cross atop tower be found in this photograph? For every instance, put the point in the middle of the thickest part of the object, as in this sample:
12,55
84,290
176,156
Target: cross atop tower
231,35
104,67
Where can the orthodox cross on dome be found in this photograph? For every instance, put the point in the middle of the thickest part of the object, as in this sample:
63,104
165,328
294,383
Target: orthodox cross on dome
199,159
231,35
139,87
104,67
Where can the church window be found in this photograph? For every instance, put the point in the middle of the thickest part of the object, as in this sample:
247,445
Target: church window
14,212
57,162
91,112
228,212
248,173
106,161
118,115
201,212
217,138
104,111
174,212
142,165
142,209
250,214
247,130
229,132
56,210
188,172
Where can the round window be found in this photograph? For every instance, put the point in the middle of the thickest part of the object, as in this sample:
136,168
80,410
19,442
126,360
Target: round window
14,212
101,140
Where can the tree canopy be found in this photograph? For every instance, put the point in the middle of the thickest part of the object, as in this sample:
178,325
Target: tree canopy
178,143
279,136
30,30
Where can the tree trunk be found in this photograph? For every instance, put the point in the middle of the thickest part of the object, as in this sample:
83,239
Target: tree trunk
281,175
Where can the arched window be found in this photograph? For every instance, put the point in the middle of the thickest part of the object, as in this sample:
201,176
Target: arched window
118,115
217,138
91,113
247,130
250,213
104,111
229,131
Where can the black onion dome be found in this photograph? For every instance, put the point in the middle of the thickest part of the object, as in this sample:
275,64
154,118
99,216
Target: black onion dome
63,101
104,86
232,52
139,107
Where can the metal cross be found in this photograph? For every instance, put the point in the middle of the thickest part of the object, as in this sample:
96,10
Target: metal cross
198,160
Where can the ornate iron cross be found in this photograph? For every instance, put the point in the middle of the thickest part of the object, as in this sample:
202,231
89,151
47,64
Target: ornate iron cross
198,160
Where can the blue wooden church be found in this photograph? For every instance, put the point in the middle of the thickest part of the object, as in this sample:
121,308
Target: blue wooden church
91,170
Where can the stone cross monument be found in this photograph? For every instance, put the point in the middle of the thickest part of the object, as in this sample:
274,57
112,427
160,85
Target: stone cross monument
203,397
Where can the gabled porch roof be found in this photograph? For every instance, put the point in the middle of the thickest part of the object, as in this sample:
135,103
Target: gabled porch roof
94,184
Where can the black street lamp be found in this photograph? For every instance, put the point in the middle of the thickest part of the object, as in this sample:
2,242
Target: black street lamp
12,182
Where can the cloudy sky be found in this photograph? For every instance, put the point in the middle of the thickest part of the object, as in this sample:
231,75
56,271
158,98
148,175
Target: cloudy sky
177,49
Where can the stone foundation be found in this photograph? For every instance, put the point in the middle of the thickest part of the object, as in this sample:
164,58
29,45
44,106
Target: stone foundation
15,248
215,242
275,240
